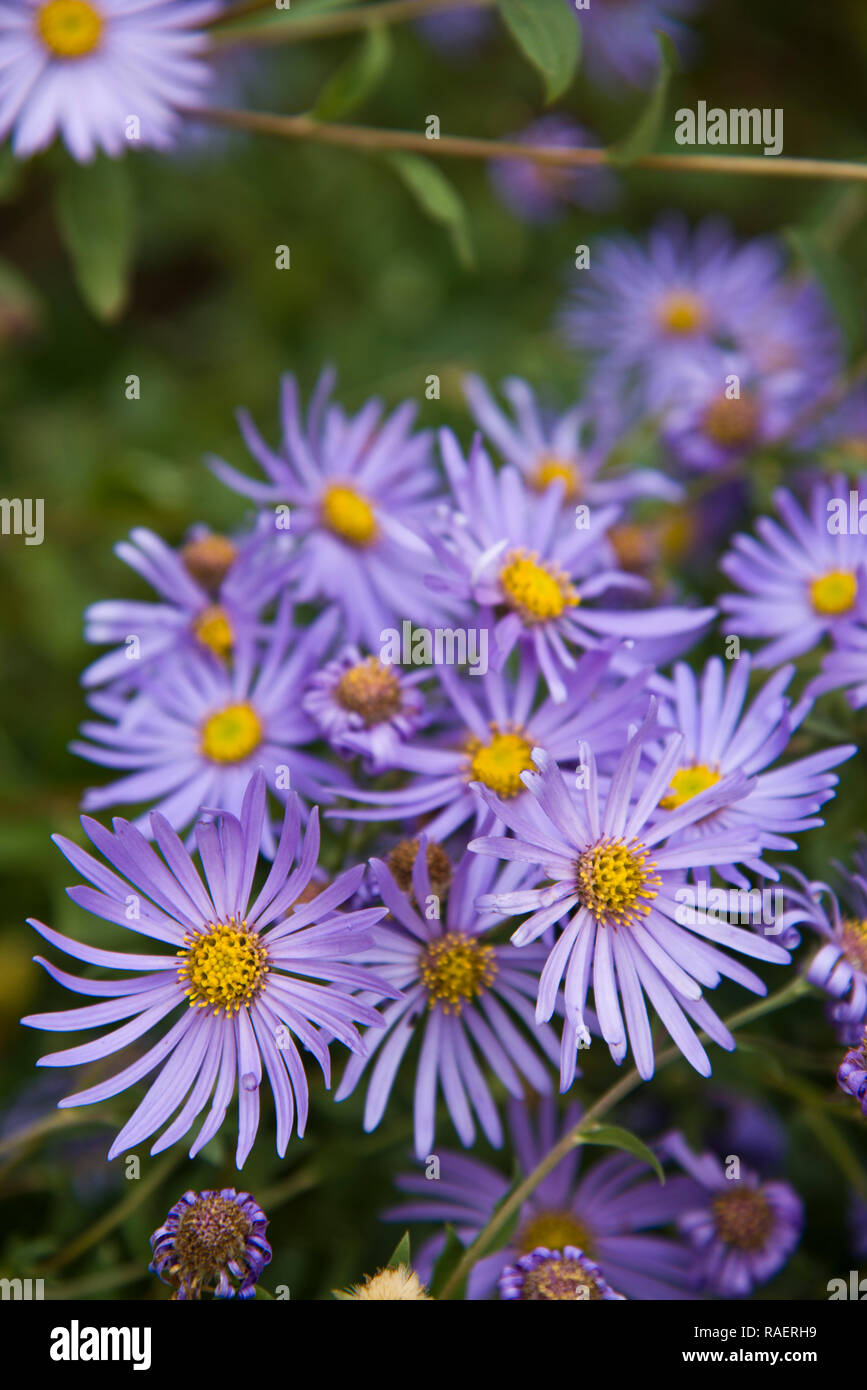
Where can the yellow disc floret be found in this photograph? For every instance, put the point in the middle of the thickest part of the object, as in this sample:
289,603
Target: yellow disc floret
854,934
743,1218
224,966
349,515
69,28
499,763
553,470
554,1230
687,782
231,735
370,690
455,969
834,593
616,882
537,592
213,629
682,312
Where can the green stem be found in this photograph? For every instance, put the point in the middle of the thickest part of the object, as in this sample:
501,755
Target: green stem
327,26
574,1136
466,147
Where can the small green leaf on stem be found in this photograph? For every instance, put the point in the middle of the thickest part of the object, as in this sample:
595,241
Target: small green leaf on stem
549,37
642,138
95,216
358,77
613,1137
436,196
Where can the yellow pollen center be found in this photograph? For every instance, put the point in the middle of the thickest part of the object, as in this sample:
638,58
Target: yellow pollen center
214,630
231,734
682,312
536,592
731,423
69,28
370,690
499,764
554,1230
854,933
687,782
349,515
552,470
562,1280
743,1218
834,593
456,969
615,881
224,966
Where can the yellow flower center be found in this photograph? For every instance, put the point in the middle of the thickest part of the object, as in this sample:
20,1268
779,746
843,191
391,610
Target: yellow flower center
560,1279
687,782
371,690
682,312
535,591
615,881
231,734
854,932
731,423
349,515
552,470
209,560
743,1218
554,1230
499,763
834,592
224,966
214,630
69,28
456,969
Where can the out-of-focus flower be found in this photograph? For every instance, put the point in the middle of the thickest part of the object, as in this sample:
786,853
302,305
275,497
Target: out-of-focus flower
542,192
852,1073
243,975
463,994
619,38
212,1242
103,74
565,1274
839,967
363,706
743,1230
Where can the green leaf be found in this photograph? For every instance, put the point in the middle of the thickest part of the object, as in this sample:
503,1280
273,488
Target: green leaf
436,196
549,36
355,79
401,1253
452,1253
612,1137
262,1294
94,211
642,138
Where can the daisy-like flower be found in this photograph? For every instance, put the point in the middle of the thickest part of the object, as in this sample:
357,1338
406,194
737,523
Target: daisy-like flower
534,573
467,997
615,1213
244,975
212,1242
839,967
492,724
743,1230
565,1274
103,74
619,38
615,868
542,192
362,706
356,486
211,588
548,449
852,1075
801,580
845,668
723,735
192,735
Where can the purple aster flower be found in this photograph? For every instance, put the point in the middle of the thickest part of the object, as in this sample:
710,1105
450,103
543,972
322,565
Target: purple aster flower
212,1242
548,449
493,723
615,868
655,307
723,735
211,588
619,37
355,487
103,74
243,975
192,735
613,1212
469,1000
839,968
845,668
801,580
362,706
540,193
554,1274
843,428
535,573
852,1073
742,1230
459,32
